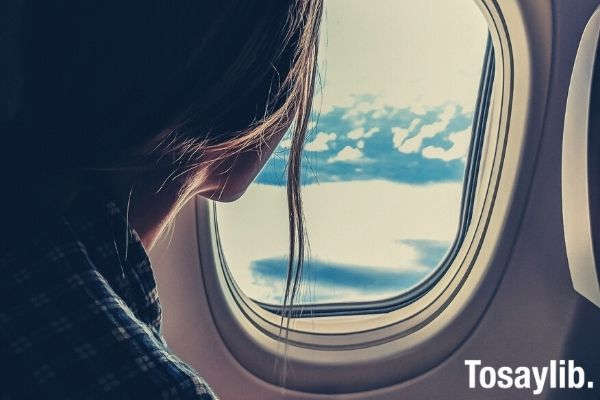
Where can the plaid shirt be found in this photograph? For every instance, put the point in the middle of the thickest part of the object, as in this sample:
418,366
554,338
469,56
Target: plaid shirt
79,313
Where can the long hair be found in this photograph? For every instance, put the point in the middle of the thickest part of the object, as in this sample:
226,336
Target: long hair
140,85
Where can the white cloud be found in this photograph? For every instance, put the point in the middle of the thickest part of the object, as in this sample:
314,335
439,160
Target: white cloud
360,144
413,144
414,124
358,133
344,226
371,132
347,154
460,147
320,142
360,107
381,113
419,109
400,134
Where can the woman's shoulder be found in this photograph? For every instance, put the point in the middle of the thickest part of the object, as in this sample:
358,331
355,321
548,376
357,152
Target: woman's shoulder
90,241
79,318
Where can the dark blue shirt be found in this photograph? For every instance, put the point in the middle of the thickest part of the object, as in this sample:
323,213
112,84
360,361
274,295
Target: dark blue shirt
80,316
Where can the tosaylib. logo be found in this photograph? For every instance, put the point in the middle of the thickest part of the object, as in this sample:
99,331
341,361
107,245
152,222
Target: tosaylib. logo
561,374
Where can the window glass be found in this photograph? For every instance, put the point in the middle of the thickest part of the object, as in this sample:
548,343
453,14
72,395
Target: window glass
384,161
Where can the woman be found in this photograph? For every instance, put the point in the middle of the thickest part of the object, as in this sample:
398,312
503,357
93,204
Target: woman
118,114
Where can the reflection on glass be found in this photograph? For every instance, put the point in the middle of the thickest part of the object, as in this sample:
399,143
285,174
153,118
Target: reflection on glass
384,162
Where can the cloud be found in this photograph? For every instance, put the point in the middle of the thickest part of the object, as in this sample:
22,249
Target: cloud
320,142
404,229
347,154
400,134
380,157
362,105
359,133
460,147
413,144
419,109
330,281
383,112
414,124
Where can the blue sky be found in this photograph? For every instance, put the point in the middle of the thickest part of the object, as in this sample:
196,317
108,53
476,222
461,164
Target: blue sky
384,159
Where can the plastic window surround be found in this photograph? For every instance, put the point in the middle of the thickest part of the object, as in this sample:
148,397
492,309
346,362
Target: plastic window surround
577,159
394,346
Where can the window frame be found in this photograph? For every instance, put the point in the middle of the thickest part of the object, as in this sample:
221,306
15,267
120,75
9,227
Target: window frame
397,345
470,180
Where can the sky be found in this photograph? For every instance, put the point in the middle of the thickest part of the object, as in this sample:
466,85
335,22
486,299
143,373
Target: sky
384,159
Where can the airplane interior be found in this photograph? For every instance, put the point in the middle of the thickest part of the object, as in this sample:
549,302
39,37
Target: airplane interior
450,190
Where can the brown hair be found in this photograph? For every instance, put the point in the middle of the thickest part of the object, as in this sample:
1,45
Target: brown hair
146,84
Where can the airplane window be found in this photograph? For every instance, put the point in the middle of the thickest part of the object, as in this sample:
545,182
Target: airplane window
385,160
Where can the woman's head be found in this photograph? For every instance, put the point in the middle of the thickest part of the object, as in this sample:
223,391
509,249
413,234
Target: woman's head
130,82
194,92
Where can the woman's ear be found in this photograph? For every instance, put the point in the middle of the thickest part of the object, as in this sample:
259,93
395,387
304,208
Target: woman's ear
11,68
227,178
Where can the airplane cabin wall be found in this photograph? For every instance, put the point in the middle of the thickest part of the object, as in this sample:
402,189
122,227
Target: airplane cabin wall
534,316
